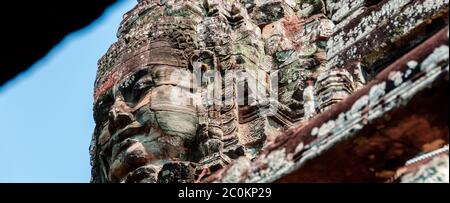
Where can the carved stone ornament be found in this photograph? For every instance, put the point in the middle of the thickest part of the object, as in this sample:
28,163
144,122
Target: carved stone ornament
191,86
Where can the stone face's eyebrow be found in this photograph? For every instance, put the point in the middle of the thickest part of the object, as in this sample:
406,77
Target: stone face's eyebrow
132,83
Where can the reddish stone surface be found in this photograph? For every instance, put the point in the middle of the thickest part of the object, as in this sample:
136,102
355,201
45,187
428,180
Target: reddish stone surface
384,145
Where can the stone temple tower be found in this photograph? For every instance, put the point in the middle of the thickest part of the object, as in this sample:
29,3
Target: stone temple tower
193,87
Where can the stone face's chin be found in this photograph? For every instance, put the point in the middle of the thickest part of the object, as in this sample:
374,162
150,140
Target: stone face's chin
143,174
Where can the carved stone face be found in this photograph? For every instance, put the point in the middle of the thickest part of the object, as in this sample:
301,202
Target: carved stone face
152,121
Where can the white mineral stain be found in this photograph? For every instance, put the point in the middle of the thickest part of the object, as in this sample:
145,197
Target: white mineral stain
396,77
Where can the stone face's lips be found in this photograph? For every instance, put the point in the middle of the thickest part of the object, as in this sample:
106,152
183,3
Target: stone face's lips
122,134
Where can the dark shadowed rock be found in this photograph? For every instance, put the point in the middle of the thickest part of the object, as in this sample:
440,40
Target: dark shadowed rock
29,29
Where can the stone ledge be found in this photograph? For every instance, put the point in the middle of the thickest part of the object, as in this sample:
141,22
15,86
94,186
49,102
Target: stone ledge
345,143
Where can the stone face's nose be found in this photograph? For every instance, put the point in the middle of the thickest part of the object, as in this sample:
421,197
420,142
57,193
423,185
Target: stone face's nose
120,115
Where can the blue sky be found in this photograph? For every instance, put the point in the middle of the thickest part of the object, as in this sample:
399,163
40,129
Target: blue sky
46,113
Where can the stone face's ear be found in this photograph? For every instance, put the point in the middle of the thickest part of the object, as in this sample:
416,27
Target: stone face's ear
201,62
204,59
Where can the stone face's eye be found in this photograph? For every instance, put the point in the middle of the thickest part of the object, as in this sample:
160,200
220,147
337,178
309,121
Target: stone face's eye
142,86
125,89
134,85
